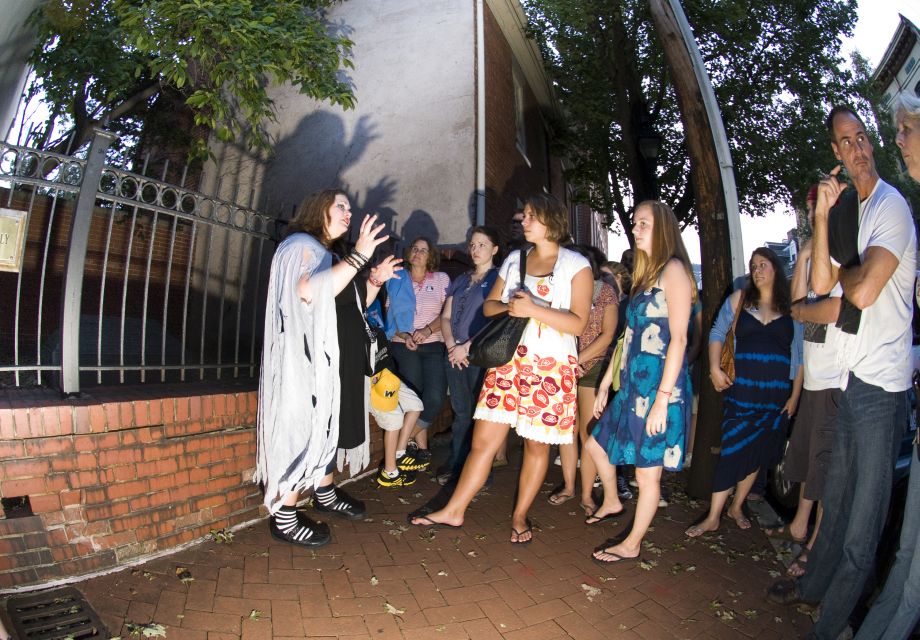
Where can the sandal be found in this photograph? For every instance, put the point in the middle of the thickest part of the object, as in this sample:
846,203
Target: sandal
742,522
797,568
518,534
782,532
425,521
595,519
557,498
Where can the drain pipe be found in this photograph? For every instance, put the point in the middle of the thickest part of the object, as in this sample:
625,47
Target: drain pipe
480,115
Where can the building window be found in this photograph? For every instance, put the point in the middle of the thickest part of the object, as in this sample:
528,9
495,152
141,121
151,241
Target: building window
910,65
917,89
519,123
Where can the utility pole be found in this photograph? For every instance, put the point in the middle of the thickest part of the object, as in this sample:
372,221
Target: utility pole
714,191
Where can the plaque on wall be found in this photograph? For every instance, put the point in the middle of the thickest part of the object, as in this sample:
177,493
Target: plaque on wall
12,239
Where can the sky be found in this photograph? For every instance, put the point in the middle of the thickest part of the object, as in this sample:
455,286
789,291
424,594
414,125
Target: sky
875,26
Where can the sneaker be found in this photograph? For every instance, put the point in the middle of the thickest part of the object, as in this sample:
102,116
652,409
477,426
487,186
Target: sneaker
597,482
414,459
344,506
402,478
663,500
623,489
633,483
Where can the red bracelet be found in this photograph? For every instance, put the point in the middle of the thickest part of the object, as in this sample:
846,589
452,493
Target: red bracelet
665,393
374,281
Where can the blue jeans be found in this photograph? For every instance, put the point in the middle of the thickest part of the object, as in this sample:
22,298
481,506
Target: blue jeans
423,369
870,424
897,610
465,385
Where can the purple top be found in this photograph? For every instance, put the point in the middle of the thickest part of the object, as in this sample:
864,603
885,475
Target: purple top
466,317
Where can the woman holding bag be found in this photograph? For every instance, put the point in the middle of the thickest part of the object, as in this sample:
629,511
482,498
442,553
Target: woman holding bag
534,393
761,396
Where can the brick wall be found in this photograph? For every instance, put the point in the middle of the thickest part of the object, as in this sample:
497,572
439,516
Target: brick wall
129,472
118,478
509,178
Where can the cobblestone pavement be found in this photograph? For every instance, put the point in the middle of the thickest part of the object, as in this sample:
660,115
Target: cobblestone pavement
381,578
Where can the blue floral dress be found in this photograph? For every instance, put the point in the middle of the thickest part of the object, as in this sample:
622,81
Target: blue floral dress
621,428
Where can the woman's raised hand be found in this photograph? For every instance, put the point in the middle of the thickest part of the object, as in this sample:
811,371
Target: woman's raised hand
386,269
369,237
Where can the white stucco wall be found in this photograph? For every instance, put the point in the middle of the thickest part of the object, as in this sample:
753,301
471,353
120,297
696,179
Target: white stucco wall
407,150
16,43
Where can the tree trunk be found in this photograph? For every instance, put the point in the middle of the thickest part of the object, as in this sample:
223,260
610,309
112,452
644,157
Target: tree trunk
709,198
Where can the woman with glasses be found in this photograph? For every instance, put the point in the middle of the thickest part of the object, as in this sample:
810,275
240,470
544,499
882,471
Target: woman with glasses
461,319
413,326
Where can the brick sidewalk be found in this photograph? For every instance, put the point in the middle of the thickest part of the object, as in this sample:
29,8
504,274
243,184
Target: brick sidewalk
381,578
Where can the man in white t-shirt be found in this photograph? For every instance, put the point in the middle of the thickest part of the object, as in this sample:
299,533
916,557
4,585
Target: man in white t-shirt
878,286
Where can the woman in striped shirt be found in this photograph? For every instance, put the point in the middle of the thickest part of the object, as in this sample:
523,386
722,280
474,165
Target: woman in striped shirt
417,343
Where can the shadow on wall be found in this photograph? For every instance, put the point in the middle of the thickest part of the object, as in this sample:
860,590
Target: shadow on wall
314,156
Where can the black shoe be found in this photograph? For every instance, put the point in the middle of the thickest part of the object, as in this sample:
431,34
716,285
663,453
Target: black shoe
306,533
401,479
414,459
623,489
344,506
785,592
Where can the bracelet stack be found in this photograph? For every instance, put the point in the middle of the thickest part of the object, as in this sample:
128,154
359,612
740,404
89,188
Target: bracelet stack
356,259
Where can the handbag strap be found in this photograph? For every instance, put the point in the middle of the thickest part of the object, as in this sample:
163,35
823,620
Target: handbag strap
523,267
738,312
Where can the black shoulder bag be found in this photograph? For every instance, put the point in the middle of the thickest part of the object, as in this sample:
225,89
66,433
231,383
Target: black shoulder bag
495,344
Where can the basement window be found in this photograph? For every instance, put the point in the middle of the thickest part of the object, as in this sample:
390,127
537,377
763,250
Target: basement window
16,507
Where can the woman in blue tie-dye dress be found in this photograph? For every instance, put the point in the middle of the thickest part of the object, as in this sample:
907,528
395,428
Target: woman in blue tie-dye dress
646,423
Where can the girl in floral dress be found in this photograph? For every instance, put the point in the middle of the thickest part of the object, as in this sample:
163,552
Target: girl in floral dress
646,423
535,392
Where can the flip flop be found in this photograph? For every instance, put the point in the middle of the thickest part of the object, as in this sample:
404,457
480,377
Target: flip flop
594,520
557,498
529,530
425,521
614,541
782,532
743,523
618,558
695,531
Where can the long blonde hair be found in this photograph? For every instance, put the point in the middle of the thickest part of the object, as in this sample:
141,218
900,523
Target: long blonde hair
666,244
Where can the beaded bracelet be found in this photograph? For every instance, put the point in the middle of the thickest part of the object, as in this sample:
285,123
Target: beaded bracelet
374,281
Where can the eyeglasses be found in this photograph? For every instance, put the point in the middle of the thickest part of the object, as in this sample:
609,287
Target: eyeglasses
419,250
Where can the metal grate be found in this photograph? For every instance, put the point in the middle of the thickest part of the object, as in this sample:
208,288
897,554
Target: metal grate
55,615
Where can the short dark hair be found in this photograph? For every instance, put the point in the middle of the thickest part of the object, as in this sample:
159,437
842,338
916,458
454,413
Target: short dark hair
836,111
434,255
552,214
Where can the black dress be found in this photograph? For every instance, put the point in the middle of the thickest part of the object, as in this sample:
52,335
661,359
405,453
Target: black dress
353,345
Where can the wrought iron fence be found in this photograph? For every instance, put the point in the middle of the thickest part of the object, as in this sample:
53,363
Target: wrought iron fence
127,278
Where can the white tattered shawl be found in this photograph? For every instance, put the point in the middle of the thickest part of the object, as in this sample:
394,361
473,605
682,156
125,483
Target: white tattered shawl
298,417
